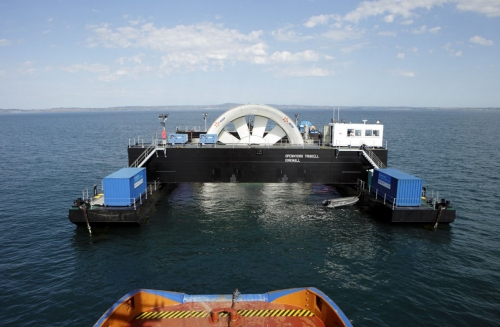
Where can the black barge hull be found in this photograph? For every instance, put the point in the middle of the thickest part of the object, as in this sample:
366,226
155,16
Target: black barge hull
130,215
259,164
424,213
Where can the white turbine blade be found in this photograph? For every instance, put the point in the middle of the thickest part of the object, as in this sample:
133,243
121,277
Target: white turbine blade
274,135
227,138
241,127
259,126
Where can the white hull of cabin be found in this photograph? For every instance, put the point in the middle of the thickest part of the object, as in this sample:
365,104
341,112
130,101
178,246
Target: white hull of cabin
355,135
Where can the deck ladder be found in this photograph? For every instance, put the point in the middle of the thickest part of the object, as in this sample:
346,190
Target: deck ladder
372,157
144,157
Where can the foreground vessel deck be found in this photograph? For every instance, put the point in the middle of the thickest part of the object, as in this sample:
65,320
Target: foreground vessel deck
292,307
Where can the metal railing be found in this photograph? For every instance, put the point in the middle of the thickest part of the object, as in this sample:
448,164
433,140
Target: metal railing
262,146
387,199
125,202
146,154
372,157
99,198
188,129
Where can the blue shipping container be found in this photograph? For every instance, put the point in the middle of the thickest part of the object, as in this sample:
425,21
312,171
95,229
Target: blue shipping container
124,186
402,189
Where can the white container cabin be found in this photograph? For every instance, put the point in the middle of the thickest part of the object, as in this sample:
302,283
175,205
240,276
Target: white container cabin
355,135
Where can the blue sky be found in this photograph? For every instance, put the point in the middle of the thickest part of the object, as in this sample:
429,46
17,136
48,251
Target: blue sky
431,53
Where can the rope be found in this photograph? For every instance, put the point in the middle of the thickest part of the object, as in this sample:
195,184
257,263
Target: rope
84,208
439,216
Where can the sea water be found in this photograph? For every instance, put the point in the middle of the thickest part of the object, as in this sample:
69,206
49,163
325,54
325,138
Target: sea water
213,238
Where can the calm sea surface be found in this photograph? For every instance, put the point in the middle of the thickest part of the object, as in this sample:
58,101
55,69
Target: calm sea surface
213,238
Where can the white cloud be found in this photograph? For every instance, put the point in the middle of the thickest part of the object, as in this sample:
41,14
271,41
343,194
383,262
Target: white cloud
451,51
422,29
104,73
92,68
447,46
402,73
320,20
27,67
203,46
348,33
50,20
490,8
4,42
406,10
389,18
354,47
288,34
201,36
108,77
480,40
288,57
132,71
406,50
395,8
132,21
400,55
135,59
303,72
285,34
434,30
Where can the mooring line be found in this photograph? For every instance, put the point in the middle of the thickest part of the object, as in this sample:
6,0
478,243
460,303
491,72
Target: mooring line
84,208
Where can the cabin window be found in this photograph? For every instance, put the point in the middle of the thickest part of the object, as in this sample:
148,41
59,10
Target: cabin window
376,132
368,132
358,132
350,132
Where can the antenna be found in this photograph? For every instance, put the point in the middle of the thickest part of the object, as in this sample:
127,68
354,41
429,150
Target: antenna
163,119
205,119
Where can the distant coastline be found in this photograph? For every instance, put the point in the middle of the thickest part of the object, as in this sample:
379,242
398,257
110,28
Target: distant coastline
223,107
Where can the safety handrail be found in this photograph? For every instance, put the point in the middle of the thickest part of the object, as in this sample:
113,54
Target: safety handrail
372,157
386,198
144,155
